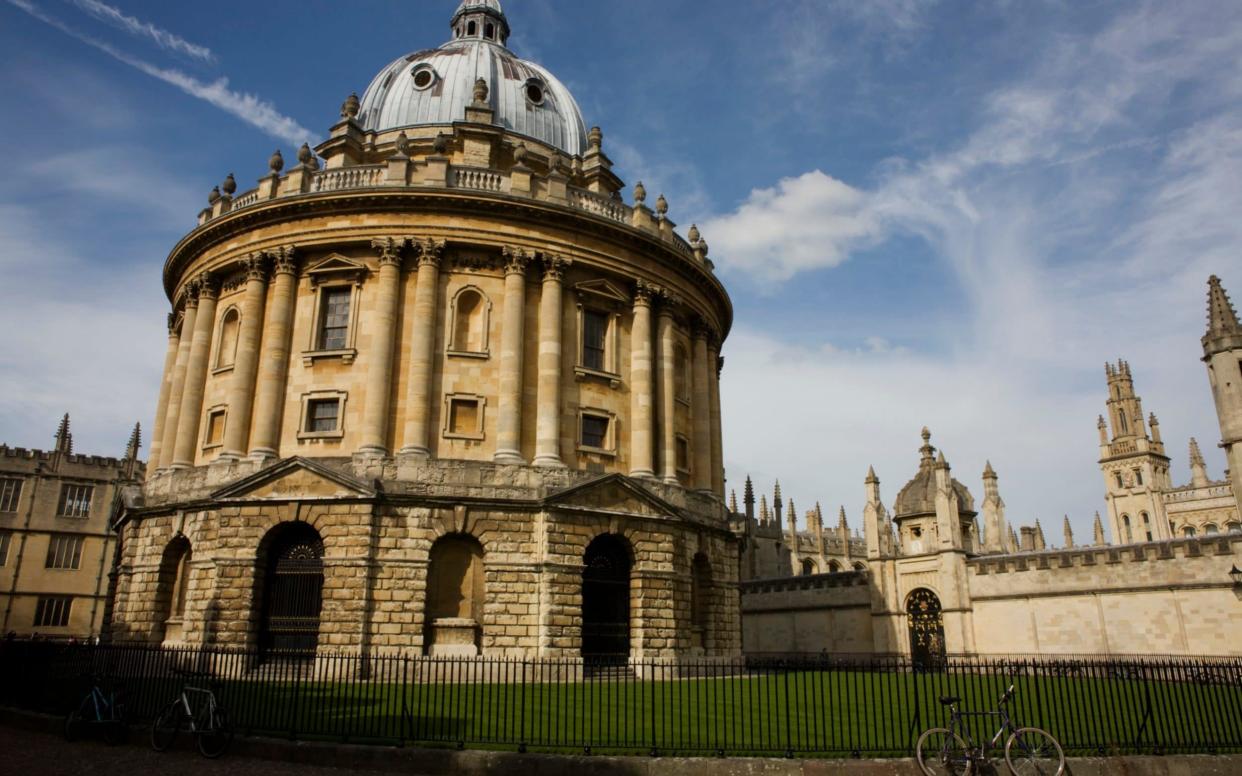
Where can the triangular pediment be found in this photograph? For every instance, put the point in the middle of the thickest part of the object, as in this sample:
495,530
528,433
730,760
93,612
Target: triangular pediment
295,479
335,265
602,290
615,494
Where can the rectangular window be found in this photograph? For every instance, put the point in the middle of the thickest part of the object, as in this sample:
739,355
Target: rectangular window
595,431
215,429
334,318
64,552
463,416
683,454
323,415
5,537
52,612
10,492
594,339
75,500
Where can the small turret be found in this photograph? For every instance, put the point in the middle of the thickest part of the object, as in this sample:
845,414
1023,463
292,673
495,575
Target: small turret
776,502
1156,442
1040,543
732,502
995,533
764,515
877,528
1222,351
64,439
135,442
1098,532
1069,533
748,499
1198,468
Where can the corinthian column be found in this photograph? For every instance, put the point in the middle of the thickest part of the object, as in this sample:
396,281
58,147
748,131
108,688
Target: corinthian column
641,399
701,416
196,373
269,405
161,405
383,336
246,364
509,421
189,316
548,415
422,338
668,390
714,365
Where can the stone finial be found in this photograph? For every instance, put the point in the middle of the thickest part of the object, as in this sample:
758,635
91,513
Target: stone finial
703,247
941,460
595,138
276,162
763,509
213,196
403,144
520,152
1039,536
871,478
64,438
306,156
842,522
440,145
229,186
480,91
748,497
640,193
792,515
926,452
733,502
1069,533
135,442
661,206
349,108
1222,318
776,494
1098,531
1196,455
1014,543
988,472
693,235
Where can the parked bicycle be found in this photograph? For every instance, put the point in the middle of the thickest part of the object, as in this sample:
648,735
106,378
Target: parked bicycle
100,708
1029,751
206,719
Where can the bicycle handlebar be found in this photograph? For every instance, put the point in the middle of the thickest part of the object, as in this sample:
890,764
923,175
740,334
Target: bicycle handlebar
1008,696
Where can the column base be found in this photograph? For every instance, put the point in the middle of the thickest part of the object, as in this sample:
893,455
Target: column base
508,457
180,466
371,451
646,474
671,480
417,453
231,457
262,454
548,462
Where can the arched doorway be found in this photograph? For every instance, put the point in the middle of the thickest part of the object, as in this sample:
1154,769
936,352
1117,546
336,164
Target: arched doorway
606,599
455,595
170,590
291,560
927,647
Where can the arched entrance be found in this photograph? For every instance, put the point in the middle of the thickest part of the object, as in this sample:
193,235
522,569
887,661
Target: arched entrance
926,628
291,559
606,599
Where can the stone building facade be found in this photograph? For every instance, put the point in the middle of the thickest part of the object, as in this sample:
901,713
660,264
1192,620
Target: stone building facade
437,386
944,576
56,539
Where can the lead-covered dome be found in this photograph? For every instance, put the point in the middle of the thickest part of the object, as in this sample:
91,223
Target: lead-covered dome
435,86
918,497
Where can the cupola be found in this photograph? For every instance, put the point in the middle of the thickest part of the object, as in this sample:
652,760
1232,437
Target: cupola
482,19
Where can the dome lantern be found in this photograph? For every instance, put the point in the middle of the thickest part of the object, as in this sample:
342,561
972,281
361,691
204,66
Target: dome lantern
480,19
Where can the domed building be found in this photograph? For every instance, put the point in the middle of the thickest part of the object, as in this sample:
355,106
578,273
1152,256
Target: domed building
436,386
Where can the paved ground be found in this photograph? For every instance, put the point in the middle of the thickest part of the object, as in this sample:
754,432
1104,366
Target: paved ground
25,753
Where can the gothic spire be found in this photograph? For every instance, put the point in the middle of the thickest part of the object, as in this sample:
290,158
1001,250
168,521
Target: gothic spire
135,442
64,439
733,502
1223,330
1069,533
1098,532
1040,542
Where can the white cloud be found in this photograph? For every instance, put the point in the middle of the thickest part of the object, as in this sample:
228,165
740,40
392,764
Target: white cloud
251,109
163,38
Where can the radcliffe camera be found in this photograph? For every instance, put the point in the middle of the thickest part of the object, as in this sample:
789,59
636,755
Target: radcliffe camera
439,440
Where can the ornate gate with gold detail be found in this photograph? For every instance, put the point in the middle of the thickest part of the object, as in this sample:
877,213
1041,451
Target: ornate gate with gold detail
293,592
926,628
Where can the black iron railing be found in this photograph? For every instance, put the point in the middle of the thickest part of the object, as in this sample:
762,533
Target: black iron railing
816,706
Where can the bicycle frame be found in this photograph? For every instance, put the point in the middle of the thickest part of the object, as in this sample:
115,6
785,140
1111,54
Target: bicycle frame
208,708
103,704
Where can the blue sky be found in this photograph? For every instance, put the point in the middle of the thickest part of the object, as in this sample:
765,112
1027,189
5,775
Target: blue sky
927,213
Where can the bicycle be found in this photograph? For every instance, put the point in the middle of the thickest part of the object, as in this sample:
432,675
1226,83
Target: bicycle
1029,751
210,724
100,708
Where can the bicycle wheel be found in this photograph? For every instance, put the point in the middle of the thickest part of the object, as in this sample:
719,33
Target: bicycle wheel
75,722
164,728
115,732
941,753
215,738
1034,752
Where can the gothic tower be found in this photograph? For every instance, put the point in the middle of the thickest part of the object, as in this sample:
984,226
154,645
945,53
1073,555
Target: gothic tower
1222,350
1133,463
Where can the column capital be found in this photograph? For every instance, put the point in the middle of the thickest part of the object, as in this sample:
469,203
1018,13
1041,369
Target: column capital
719,365
668,301
389,249
554,266
208,285
284,260
172,324
254,266
191,293
430,252
516,260
703,330
644,291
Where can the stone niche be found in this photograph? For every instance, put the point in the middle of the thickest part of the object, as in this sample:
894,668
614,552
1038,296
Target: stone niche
455,597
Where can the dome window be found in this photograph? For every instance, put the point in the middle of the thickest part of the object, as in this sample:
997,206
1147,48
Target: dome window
534,91
471,27
424,76
489,31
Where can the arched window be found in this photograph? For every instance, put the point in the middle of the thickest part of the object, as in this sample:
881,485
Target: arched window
1120,482
170,589
489,31
1234,528
860,566
1125,425
470,319
226,350
700,601
471,28
1138,476
808,567
606,599
833,567
1210,529
1125,529
1146,524
455,595
1188,531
